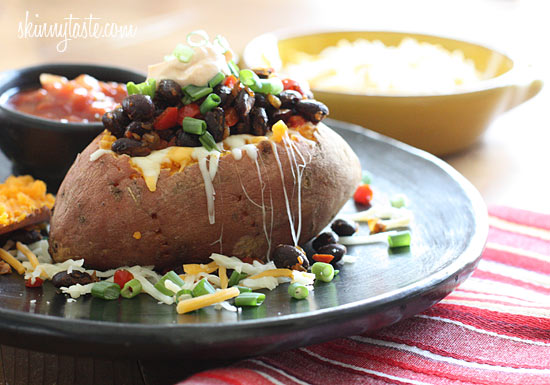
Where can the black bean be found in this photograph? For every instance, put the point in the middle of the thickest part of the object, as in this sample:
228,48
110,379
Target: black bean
215,123
325,238
258,121
169,92
263,73
289,98
290,257
184,139
344,227
261,101
138,128
225,94
64,279
312,110
166,134
244,103
115,121
282,114
335,249
151,139
25,236
130,147
139,107
242,127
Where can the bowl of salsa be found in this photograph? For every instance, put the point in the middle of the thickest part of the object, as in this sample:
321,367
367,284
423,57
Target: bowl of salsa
50,112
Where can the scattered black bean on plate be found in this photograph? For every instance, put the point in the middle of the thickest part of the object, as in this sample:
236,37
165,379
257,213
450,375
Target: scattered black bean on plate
335,249
326,238
344,228
64,279
290,257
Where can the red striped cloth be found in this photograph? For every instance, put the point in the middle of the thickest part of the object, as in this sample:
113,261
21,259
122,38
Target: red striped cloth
493,329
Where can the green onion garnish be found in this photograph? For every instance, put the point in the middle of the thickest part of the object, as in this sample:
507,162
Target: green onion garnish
400,239
233,68
269,86
171,276
183,53
222,42
249,78
193,126
235,278
195,93
220,76
197,38
244,289
399,200
250,299
209,103
186,100
203,287
323,271
105,290
208,142
184,294
132,88
298,291
131,288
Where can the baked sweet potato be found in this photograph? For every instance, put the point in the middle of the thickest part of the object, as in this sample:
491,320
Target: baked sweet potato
106,214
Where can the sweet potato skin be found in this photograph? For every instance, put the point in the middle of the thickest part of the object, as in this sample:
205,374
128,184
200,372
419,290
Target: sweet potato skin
101,204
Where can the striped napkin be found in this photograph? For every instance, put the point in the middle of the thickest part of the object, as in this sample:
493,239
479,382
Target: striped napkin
493,329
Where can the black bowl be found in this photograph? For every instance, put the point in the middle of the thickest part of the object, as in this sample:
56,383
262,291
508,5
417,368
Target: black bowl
46,148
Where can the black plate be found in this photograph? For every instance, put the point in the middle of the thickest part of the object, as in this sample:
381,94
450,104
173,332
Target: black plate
449,233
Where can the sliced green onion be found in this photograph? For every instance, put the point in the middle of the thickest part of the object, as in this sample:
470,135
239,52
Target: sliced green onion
399,200
220,76
244,289
209,103
131,288
298,291
250,299
171,276
208,142
183,53
323,271
150,87
193,126
269,86
366,178
132,88
186,100
184,294
203,287
195,92
106,290
336,272
222,42
400,239
201,34
249,78
233,68
235,278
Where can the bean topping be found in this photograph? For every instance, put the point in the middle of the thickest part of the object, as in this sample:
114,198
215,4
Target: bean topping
184,139
168,91
258,118
244,103
324,239
138,107
290,257
215,123
130,147
312,110
344,227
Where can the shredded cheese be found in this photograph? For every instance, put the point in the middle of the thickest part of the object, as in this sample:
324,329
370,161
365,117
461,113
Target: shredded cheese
206,300
10,260
195,268
279,129
222,273
273,273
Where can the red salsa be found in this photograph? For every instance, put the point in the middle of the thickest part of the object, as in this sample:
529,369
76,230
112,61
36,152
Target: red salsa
84,99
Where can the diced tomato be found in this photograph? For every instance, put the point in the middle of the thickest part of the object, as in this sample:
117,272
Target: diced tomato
289,84
190,110
363,195
37,282
168,119
231,117
326,258
296,121
230,81
122,276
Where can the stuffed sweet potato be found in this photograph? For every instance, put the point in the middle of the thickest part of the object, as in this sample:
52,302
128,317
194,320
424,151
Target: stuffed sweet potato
106,214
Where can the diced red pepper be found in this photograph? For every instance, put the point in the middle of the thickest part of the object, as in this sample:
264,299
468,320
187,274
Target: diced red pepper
289,84
326,258
363,195
168,119
122,276
296,121
231,117
190,110
230,81
37,282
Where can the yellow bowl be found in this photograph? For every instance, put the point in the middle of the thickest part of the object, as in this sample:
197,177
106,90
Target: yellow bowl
439,123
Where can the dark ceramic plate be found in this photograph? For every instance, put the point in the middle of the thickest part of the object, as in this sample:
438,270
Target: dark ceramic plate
449,233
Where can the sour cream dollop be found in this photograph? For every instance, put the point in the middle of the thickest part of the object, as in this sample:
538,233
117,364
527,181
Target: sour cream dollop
205,63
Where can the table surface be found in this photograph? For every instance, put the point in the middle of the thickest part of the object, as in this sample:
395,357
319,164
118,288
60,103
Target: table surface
508,165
